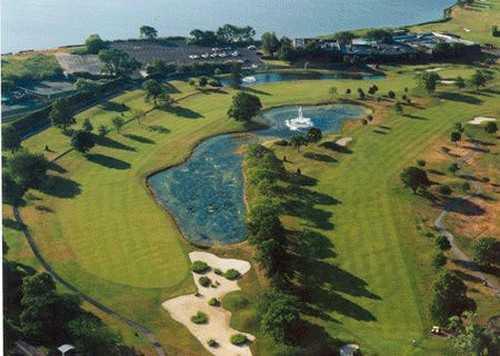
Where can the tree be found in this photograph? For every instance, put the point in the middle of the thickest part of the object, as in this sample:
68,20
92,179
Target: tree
415,178
10,139
118,123
158,68
491,127
82,141
333,91
244,106
94,44
153,90
344,38
287,52
479,79
398,108
202,38
164,101
460,83
443,243
278,314
148,32
314,135
236,77
453,168
470,338
234,34
61,115
449,297
12,191
117,62
87,125
202,83
428,81
391,94
91,336
361,94
103,130
486,252
264,223
379,35
297,141
270,43
439,260
87,86
27,169
455,137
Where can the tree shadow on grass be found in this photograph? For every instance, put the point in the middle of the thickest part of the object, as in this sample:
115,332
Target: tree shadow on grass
459,97
380,132
320,157
255,91
159,129
60,187
112,106
11,224
462,206
53,166
108,142
108,162
140,139
415,117
332,145
314,340
183,112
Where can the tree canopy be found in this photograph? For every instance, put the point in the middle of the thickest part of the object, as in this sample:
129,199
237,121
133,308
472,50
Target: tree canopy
11,140
153,90
117,62
82,141
148,32
244,106
314,135
27,169
428,81
278,314
270,43
415,178
61,114
94,44
344,38
449,297
486,252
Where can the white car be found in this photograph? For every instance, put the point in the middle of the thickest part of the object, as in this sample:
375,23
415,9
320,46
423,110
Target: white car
252,48
235,54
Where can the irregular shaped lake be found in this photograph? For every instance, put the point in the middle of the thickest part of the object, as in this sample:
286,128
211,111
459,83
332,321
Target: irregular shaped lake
205,194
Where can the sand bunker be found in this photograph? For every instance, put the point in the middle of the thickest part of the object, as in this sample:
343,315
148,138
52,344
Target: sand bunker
447,82
480,119
183,308
434,69
344,141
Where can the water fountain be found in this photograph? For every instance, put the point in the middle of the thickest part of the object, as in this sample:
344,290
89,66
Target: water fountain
299,122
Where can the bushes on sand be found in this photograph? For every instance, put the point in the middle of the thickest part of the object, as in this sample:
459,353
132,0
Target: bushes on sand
200,267
200,318
214,302
205,281
238,339
232,274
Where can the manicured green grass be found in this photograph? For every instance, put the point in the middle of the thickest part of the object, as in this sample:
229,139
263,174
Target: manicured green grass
101,229
479,18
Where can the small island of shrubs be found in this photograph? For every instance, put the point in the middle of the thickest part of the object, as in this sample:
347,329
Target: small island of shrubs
200,318
238,339
205,281
200,267
232,274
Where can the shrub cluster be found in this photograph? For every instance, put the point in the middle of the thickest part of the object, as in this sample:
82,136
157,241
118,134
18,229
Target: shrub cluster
232,274
200,318
238,339
205,281
200,267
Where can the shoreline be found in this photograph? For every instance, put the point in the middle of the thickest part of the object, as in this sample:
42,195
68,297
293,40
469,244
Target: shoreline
445,16
151,192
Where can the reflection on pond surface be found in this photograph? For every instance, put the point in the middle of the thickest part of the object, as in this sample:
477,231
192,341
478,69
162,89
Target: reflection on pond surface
271,77
205,194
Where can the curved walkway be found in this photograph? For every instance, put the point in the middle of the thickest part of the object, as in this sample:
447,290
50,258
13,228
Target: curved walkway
455,250
148,335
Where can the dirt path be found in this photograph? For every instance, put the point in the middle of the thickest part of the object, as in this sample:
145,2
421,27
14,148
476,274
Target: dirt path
148,335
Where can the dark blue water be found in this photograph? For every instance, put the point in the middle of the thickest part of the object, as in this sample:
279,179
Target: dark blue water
270,77
39,24
205,194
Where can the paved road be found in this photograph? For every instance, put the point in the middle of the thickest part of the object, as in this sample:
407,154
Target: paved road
134,325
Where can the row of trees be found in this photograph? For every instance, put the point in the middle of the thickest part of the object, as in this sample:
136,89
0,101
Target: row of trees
224,35
36,313
429,81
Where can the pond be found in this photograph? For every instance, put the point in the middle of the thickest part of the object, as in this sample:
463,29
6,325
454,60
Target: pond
205,194
271,77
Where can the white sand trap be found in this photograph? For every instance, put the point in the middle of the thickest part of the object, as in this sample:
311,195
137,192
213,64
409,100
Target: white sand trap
349,350
447,82
344,141
434,69
480,119
183,308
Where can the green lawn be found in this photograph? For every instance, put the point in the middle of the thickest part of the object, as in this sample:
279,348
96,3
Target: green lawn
100,228
478,19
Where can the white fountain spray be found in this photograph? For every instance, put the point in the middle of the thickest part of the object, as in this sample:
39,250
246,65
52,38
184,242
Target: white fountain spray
300,122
